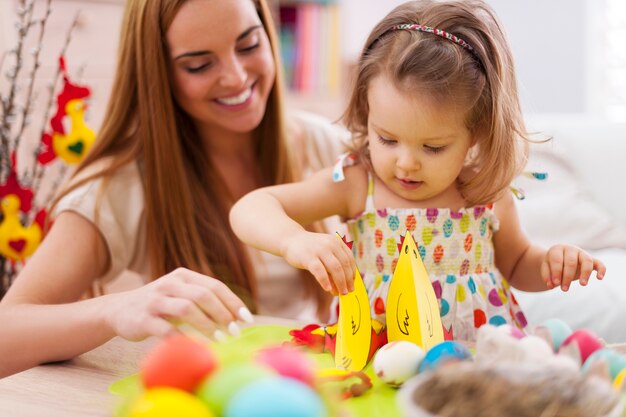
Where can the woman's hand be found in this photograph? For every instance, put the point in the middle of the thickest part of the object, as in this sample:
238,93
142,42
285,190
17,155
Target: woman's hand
565,263
327,257
184,296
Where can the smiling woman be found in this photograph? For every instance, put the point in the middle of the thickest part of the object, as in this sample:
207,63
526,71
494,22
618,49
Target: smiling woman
195,120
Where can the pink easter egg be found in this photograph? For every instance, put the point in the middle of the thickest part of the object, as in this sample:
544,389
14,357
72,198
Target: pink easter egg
288,362
583,342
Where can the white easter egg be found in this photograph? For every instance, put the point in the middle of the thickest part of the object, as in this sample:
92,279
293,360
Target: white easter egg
397,361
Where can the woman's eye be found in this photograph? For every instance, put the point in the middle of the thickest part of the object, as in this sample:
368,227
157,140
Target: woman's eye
434,149
386,141
199,68
249,48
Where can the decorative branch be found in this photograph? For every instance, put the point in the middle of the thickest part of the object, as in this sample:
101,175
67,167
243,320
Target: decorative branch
25,14
37,171
31,81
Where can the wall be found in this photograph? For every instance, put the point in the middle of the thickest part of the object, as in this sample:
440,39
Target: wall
556,45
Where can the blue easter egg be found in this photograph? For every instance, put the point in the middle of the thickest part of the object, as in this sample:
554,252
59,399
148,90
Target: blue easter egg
443,352
275,397
613,360
558,330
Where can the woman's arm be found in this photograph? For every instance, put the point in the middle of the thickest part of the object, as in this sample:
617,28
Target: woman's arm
273,219
42,321
529,267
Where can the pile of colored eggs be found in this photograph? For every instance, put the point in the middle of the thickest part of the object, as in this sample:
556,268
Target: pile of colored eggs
182,377
552,343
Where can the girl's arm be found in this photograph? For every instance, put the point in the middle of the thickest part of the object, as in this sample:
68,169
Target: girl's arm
273,219
42,321
530,267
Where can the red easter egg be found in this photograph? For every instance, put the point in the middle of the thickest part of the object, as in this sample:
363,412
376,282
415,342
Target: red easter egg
178,362
584,341
288,362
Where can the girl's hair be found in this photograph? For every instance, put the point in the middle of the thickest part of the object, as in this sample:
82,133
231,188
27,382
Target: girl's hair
186,200
482,81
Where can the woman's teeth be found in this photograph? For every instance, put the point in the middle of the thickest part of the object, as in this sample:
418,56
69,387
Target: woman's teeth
238,99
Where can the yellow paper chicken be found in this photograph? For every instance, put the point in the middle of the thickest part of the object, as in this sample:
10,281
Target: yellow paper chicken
73,146
412,307
16,241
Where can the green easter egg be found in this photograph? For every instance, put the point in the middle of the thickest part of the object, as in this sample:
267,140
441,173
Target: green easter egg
217,390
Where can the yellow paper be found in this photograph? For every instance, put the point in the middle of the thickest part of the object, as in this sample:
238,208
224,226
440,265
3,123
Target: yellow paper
412,308
354,328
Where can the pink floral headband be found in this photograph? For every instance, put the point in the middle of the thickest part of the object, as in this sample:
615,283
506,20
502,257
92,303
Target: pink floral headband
438,32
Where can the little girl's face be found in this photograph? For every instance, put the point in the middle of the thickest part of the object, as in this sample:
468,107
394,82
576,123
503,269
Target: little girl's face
418,146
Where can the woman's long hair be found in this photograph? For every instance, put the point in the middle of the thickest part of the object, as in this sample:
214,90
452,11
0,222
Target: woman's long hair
186,200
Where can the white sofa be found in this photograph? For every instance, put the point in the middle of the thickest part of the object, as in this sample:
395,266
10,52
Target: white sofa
583,203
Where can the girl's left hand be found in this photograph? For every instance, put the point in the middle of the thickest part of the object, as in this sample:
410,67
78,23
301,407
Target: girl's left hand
565,263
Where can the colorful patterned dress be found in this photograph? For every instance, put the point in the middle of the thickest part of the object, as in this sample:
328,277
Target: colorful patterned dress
457,250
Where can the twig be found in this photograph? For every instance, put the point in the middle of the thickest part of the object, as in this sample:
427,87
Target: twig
31,81
37,168
23,25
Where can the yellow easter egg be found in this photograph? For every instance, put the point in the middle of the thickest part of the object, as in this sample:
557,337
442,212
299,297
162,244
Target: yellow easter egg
168,402
392,246
478,252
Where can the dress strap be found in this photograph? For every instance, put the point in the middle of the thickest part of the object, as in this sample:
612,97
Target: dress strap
369,202
344,160
519,192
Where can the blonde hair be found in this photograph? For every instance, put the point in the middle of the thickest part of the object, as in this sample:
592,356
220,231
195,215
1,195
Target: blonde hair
186,201
483,80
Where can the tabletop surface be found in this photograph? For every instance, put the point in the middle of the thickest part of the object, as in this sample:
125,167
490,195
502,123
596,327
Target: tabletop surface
80,387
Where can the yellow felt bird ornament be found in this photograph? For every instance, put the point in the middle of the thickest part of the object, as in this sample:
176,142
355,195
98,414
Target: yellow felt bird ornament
73,146
16,241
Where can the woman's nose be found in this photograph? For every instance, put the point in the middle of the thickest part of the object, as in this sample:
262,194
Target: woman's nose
233,73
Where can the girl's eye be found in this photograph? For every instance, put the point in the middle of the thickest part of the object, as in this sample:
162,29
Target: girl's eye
385,141
434,149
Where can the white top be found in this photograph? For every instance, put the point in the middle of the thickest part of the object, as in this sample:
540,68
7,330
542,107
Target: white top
121,221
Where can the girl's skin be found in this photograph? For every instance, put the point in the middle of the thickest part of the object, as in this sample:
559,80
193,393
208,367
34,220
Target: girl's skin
222,72
418,147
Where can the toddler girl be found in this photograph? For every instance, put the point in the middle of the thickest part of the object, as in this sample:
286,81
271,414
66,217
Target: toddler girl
438,136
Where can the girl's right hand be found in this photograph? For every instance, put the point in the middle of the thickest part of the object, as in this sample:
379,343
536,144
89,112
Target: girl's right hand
328,258
202,302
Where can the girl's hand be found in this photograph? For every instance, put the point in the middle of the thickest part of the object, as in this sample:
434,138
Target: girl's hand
328,258
565,263
184,296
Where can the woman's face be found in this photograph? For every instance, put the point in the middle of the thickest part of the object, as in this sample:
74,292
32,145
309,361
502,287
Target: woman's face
222,67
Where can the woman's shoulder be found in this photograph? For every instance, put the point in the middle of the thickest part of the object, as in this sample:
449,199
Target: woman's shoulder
97,183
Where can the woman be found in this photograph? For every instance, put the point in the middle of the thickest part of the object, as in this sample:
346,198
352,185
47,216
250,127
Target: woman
194,122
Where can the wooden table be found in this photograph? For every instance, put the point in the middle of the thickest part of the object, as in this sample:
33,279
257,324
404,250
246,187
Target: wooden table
79,387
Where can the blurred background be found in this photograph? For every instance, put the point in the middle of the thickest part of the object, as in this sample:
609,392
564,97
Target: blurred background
570,56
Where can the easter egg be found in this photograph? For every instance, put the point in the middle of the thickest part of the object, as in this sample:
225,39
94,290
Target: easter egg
580,344
397,361
553,330
444,352
168,402
613,361
275,397
289,362
177,362
218,388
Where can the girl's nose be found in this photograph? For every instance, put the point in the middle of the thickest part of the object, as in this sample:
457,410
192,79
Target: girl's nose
233,73
408,162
